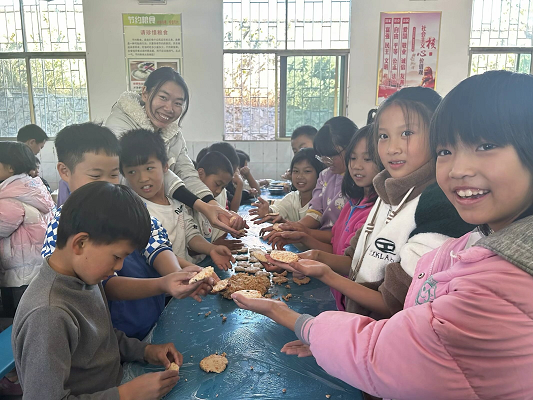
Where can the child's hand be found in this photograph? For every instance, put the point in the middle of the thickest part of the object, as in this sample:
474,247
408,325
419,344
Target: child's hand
222,257
237,179
287,175
261,306
288,237
162,354
237,222
307,267
150,386
232,244
274,219
262,207
294,226
310,254
244,171
177,284
298,348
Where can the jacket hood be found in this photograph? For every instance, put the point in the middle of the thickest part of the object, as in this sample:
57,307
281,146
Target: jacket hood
513,244
27,190
131,104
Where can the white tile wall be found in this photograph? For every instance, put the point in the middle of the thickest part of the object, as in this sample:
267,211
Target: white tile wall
268,159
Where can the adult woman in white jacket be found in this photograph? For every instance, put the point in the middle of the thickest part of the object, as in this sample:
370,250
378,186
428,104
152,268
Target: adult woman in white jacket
160,107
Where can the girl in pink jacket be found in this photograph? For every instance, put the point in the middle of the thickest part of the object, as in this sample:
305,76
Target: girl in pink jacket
466,331
25,210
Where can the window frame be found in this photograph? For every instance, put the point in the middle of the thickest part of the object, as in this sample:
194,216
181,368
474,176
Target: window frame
499,50
281,55
27,56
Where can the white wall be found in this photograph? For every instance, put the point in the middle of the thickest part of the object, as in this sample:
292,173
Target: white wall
453,53
202,32
203,69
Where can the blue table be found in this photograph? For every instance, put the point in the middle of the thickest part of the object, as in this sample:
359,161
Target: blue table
250,341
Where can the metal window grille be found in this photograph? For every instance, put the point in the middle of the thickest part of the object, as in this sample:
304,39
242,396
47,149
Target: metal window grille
43,77
284,65
501,36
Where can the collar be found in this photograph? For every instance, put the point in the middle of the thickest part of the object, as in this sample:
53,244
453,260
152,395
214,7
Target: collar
392,190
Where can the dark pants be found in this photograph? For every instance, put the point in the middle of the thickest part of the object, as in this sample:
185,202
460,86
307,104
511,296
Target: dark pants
11,299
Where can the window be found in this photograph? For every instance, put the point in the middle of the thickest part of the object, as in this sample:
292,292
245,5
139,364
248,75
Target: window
285,65
501,36
43,77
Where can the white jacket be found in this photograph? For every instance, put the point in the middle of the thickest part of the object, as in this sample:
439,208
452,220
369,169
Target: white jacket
128,113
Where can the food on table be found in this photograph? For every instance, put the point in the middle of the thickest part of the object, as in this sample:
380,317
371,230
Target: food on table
205,273
214,363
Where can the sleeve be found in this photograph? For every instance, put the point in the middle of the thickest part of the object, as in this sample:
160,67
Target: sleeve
157,243
395,287
43,349
350,250
130,349
11,216
316,205
191,227
390,358
285,206
184,169
50,238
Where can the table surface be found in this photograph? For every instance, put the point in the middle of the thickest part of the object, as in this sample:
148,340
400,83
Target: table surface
252,342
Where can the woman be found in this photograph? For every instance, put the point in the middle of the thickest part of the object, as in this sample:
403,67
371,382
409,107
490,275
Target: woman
160,107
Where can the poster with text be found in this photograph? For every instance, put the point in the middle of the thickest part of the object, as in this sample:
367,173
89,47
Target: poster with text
151,41
408,51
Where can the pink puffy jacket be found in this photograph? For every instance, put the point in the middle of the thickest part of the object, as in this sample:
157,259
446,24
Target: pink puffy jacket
25,211
466,331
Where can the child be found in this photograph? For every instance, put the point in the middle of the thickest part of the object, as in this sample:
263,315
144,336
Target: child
89,152
250,184
216,172
234,188
25,210
327,201
411,217
63,341
301,138
33,136
144,162
293,207
35,173
467,322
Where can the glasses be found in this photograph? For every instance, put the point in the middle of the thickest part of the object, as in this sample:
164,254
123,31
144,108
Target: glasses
327,161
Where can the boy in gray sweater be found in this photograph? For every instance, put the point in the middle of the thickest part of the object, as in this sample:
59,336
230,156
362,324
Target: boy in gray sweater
63,341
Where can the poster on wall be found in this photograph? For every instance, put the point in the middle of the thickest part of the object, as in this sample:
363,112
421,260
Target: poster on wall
151,41
408,51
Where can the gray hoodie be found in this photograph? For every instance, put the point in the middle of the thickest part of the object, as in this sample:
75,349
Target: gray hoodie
63,341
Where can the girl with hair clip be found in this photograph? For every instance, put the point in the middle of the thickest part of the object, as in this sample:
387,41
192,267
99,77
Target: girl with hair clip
305,169
25,209
466,331
411,217
161,107
327,202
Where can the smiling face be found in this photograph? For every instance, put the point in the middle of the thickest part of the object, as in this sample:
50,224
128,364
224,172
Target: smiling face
403,148
147,180
361,167
93,167
486,183
166,105
304,176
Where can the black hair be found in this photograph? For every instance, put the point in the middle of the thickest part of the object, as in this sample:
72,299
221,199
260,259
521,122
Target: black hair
495,108
498,112
336,132
73,141
161,76
309,155
30,132
137,145
215,162
304,130
18,156
107,213
228,150
243,157
371,116
201,154
349,189
417,103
